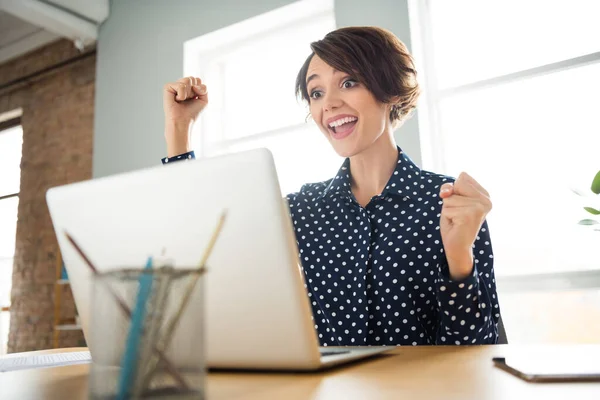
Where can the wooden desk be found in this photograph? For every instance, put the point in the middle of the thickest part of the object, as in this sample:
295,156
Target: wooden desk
422,373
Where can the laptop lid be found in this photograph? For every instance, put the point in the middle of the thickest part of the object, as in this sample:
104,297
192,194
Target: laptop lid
257,314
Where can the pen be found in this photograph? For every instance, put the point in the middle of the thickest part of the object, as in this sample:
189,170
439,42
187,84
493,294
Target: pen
136,330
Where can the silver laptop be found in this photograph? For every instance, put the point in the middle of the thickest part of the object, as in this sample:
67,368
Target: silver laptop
257,312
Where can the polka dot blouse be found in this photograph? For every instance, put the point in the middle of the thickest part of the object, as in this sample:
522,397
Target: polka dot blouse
377,275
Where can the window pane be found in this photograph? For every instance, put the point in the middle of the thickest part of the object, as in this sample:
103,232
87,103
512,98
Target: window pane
529,143
6,266
259,79
4,325
11,142
301,156
8,226
574,316
476,39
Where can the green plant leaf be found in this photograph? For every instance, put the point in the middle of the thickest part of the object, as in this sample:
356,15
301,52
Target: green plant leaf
588,222
596,183
592,211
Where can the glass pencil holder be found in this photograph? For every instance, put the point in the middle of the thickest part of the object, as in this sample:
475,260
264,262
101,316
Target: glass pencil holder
147,337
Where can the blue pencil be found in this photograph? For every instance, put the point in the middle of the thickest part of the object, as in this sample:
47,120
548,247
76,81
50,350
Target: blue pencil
136,328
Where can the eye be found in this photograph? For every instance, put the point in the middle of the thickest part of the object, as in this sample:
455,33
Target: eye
349,83
315,94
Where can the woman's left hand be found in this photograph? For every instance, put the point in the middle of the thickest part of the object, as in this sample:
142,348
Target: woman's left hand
466,204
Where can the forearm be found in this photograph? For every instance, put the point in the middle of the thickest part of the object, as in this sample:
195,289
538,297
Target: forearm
465,311
467,301
178,138
461,266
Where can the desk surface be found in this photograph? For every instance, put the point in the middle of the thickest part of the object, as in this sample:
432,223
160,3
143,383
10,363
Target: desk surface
425,372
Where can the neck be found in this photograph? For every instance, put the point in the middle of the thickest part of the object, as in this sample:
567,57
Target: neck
372,168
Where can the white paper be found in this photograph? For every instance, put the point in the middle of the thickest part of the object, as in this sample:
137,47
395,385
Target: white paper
44,361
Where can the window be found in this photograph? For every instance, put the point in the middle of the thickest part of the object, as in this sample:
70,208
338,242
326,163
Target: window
11,140
512,96
250,69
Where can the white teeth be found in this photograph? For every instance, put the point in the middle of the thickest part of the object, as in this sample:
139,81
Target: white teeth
342,121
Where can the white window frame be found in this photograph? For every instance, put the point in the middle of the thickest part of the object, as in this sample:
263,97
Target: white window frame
210,46
15,120
433,141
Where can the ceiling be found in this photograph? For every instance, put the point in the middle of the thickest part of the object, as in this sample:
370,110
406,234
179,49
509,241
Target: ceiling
29,24
18,37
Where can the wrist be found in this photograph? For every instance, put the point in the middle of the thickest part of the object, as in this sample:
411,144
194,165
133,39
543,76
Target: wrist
460,266
177,136
175,149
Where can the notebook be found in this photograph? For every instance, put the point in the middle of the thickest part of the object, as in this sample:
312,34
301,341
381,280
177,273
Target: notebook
552,365
8,364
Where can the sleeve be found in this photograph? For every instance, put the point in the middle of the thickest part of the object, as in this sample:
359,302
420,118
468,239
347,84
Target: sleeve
468,309
291,199
185,156
292,202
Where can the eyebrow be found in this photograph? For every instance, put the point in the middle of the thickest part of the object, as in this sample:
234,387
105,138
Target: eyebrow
310,78
315,76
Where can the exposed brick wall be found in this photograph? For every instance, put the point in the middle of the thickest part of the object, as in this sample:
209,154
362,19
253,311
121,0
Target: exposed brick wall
57,121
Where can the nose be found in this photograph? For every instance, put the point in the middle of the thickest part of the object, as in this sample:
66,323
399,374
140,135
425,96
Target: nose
331,101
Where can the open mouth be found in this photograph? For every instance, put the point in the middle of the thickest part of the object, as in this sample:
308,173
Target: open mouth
343,127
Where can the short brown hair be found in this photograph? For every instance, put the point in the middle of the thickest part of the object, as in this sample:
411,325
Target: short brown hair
374,56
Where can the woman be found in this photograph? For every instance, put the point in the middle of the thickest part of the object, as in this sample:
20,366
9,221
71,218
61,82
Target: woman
392,254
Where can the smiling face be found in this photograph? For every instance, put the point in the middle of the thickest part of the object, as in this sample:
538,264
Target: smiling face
344,109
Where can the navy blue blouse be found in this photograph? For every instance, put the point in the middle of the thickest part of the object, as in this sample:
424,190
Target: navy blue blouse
377,275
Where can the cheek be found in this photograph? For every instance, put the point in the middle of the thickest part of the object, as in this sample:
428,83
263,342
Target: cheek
316,114
377,117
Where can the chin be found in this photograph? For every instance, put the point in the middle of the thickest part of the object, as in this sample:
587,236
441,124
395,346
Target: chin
347,147
345,150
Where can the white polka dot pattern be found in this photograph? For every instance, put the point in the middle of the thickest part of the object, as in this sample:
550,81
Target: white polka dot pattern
378,275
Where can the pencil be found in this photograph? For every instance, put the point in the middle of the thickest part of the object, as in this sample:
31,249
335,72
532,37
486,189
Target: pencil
168,335
169,366
194,280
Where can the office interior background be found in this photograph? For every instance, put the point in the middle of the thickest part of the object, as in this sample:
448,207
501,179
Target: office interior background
511,95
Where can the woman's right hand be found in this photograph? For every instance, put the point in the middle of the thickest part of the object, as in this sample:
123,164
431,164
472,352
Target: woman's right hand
183,101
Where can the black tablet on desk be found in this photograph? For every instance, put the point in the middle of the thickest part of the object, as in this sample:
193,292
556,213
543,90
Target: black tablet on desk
551,369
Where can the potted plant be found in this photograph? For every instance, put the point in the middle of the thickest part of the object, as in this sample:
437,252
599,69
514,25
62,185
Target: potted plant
594,211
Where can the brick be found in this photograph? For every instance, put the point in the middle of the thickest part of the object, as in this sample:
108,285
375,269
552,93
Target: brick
57,121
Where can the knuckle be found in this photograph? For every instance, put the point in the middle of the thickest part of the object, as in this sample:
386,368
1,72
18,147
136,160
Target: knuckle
488,204
481,208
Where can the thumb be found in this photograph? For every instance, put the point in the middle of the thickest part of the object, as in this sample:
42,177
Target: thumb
446,190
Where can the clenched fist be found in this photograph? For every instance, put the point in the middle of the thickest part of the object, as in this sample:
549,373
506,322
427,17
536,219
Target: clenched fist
183,101
466,205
